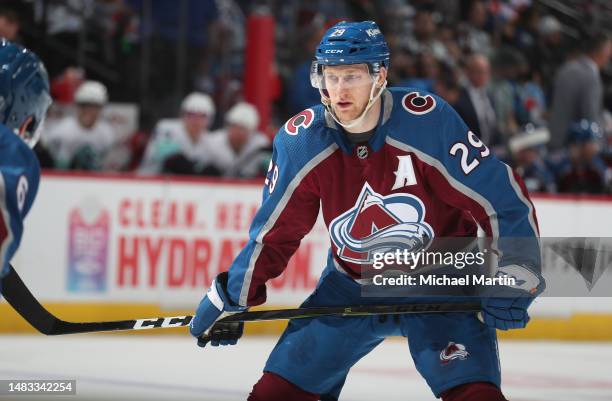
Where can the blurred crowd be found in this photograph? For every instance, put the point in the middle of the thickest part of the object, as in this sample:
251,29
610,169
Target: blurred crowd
531,78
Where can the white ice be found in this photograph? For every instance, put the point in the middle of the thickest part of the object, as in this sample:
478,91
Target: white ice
119,367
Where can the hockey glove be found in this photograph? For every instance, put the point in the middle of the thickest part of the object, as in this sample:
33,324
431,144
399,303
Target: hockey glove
505,307
215,305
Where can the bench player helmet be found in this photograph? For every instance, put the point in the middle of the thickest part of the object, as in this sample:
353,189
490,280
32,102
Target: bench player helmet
351,43
584,131
24,91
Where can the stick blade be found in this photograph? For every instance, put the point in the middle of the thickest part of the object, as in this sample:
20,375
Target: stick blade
21,299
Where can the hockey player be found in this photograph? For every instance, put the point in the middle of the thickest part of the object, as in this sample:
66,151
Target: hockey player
24,90
376,159
84,141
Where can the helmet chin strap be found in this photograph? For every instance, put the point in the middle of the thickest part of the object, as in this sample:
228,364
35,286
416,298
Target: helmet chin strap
326,102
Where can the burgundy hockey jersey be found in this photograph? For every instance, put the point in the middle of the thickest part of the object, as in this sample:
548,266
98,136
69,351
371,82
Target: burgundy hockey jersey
422,175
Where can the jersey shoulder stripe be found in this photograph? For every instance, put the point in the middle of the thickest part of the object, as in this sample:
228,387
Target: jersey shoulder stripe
6,233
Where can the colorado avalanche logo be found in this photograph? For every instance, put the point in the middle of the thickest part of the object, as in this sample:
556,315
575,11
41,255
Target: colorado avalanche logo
380,224
416,104
300,120
453,351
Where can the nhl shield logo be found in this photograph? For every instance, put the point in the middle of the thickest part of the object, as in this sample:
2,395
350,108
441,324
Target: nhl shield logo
379,224
453,351
362,152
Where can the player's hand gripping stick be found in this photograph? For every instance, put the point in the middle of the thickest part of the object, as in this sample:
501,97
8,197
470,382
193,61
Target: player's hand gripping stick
215,305
505,307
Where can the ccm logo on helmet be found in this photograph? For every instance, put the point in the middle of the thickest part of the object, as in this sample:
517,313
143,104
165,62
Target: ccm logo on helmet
300,120
416,104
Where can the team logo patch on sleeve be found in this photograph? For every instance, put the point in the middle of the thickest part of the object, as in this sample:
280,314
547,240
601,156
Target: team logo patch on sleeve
416,104
379,224
22,191
300,120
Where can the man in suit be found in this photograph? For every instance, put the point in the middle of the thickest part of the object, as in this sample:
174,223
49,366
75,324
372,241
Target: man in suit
474,104
578,89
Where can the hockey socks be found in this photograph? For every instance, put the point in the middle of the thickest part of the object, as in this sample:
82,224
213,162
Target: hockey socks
272,387
478,391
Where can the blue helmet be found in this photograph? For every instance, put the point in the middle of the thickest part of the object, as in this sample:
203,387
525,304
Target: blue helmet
24,91
354,43
584,131
351,43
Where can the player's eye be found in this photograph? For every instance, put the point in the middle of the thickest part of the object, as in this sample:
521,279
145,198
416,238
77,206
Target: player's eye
332,79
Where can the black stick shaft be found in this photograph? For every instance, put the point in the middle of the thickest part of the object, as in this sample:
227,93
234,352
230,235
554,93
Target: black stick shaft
22,300
357,310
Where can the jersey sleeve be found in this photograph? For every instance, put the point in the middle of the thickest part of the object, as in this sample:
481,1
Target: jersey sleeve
289,210
19,176
468,176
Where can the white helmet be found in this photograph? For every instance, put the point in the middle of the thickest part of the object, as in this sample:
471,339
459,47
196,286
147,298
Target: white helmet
199,103
92,92
243,114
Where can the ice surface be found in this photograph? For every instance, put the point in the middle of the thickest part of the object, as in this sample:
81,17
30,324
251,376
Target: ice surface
120,367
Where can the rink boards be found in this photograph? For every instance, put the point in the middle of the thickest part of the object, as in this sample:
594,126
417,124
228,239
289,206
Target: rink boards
100,247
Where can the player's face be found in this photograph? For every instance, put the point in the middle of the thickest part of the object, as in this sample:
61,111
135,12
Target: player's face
195,123
88,114
237,136
348,88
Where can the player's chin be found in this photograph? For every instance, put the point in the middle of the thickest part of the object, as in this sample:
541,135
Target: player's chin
346,115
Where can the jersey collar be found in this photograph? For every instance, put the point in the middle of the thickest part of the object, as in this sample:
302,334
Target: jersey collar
377,140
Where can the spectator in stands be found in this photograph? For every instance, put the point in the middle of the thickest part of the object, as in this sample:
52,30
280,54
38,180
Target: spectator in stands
187,31
507,65
528,151
184,139
578,89
423,37
427,70
549,52
517,95
85,140
64,22
65,85
447,34
447,84
301,95
447,88
239,150
474,104
474,37
9,23
583,170
531,101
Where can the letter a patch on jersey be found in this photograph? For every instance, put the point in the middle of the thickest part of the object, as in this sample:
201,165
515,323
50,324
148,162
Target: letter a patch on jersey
404,176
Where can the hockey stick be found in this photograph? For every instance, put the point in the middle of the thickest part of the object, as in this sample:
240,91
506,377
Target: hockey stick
22,300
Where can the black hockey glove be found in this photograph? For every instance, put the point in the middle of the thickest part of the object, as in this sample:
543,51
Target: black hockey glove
215,305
